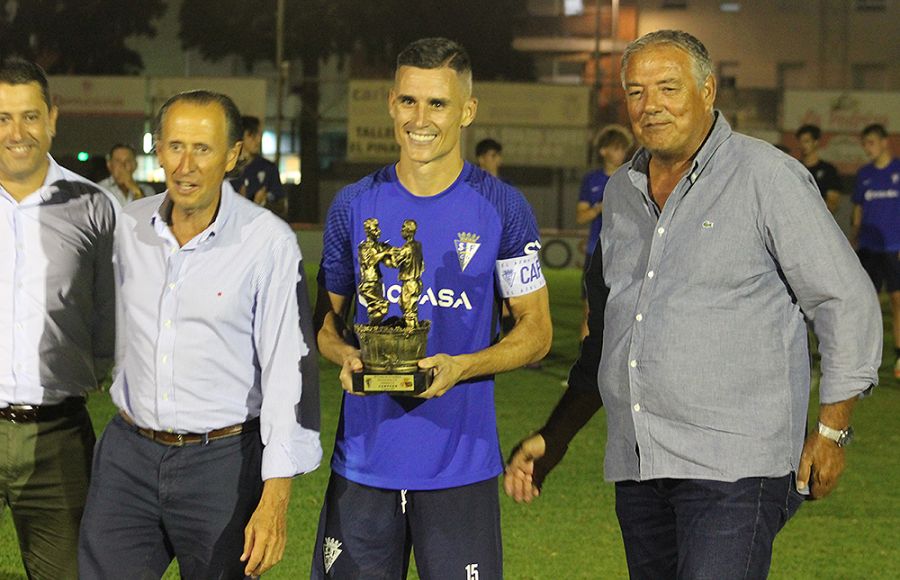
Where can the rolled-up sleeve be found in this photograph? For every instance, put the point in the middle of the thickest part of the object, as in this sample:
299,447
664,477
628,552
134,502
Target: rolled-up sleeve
829,283
291,447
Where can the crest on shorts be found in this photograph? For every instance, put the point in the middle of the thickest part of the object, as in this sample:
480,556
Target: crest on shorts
466,245
331,549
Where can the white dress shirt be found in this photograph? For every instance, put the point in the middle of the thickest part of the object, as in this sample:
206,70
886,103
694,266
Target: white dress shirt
56,290
210,332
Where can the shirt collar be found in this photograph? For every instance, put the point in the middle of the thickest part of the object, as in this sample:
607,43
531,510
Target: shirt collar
719,133
159,220
48,188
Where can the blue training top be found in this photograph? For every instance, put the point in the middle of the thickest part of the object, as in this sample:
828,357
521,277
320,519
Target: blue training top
404,442
592,187
878,192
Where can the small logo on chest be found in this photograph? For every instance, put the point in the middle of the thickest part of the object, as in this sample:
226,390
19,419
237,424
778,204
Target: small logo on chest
466,245
707,225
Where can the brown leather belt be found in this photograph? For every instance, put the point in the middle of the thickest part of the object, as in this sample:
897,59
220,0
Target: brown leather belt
38,413
182,439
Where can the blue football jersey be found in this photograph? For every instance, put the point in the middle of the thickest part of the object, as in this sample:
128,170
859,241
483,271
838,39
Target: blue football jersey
878,192
408,443
592,187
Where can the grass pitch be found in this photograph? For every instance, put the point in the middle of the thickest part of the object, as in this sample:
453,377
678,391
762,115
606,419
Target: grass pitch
571,531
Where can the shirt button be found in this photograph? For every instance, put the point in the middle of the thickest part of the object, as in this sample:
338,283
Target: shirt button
165,396
650,274
633,364
639,317
172,286
168,323
165,358
637,408
661,231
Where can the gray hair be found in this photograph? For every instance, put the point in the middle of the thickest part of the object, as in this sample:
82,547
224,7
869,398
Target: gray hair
233,125
690,44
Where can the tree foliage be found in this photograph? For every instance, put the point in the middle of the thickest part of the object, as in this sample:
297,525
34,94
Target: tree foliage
485,28
370,30
221,28
378,29
78,36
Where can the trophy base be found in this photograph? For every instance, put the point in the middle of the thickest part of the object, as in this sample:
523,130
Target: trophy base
392,383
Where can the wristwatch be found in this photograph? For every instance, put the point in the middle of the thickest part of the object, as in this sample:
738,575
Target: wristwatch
842,437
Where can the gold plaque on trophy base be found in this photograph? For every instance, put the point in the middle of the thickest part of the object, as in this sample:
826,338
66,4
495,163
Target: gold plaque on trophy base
410,384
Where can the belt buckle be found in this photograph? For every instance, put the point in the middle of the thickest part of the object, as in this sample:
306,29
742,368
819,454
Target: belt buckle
21,413
179,439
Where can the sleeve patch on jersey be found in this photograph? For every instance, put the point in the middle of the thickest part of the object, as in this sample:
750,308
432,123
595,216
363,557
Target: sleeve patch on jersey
520,276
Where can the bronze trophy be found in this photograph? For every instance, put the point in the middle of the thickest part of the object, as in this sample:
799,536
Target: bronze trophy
391,348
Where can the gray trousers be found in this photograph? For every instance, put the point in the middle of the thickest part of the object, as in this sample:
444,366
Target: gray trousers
149,503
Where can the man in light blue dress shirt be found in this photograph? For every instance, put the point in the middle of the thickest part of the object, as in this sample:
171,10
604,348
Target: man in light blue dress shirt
716,249
213,421
121,161
57,323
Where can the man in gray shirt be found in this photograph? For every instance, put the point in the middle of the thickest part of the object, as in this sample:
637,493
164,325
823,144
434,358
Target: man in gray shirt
716,249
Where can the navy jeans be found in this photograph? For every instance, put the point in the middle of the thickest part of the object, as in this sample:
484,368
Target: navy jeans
695,528
149,503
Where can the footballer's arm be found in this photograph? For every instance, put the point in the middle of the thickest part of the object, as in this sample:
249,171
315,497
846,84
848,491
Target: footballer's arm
331,311
528,341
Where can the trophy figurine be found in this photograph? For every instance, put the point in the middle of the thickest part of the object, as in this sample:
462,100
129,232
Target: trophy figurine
391,348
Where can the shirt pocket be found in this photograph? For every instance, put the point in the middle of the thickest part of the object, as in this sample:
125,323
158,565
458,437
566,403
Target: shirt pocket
219,293
718,253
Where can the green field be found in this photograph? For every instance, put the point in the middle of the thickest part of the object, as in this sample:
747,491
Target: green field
571,532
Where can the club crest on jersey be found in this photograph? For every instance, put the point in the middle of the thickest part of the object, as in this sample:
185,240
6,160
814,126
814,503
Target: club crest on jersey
466,246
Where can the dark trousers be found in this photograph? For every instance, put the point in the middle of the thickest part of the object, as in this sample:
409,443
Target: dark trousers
883,268
44,473
694,528
149,503
367,533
